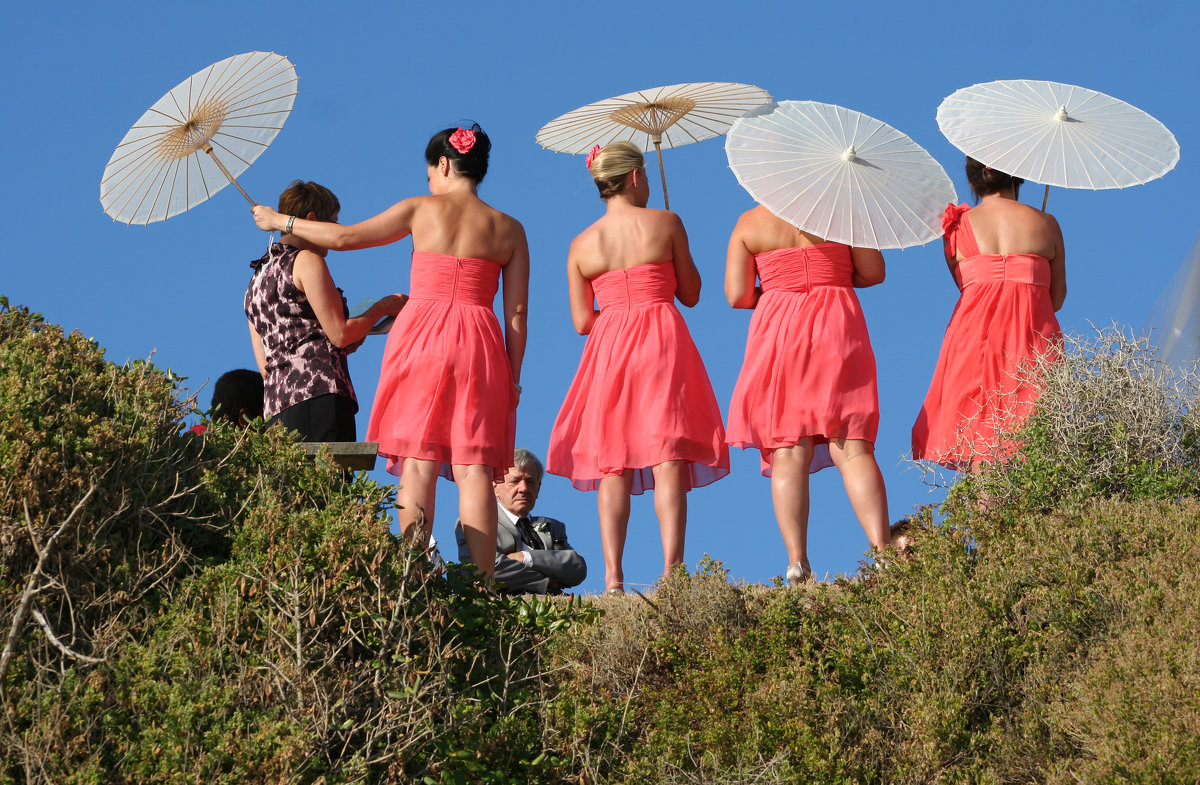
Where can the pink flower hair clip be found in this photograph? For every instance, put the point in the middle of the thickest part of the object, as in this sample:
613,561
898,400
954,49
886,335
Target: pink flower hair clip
591,157
463,140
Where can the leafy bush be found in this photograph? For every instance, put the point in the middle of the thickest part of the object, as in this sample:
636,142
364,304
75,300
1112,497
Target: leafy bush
1057,650
1034,633
1113,420
221,608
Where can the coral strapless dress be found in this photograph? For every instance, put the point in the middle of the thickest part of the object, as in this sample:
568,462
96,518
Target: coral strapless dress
446,389
809,370
641,395
1003,322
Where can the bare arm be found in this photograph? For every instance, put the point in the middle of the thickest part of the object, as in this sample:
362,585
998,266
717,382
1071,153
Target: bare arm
394,223
516,304
579,290
1058,268
687,277
311,276
868,267
951,262
260,355
740,271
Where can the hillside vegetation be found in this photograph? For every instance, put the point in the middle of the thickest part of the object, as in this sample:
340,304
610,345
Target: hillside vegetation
218,608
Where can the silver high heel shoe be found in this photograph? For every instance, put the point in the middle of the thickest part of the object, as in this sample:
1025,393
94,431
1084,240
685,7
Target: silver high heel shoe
798,573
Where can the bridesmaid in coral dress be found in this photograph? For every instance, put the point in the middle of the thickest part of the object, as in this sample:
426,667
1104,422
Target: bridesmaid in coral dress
641,411
1008,261
807,394
448,389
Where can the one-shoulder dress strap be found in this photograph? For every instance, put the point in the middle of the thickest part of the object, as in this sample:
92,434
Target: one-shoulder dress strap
956,232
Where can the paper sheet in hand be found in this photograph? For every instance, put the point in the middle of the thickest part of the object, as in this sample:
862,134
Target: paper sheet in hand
382,326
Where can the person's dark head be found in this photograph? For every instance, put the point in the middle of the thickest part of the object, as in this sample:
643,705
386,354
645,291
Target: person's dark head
238,397
467,150
985,180
612,164
302,198
518,490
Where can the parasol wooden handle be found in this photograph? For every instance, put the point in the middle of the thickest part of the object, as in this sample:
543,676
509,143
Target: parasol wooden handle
208,149
1045,198
661,172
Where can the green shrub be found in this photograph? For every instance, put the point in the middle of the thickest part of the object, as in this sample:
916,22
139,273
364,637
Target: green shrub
1113,420
222,608
1057,648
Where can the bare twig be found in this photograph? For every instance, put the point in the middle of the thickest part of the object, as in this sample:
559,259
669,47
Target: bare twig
58,644
31,585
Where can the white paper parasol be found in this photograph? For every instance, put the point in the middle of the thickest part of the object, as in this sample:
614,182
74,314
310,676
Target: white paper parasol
672,116
839,174
232,109
1057,134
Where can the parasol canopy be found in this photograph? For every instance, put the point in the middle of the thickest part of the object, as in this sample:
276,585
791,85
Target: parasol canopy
230,111
839,174
672,116
1057,134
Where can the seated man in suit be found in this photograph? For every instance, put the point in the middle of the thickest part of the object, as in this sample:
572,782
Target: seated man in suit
532,554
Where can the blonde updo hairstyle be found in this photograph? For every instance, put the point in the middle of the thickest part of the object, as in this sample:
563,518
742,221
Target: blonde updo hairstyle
612,163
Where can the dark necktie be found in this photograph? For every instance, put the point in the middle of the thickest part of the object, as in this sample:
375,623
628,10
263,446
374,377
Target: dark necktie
528,534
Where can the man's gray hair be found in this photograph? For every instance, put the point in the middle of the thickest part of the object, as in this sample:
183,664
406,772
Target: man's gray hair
526,461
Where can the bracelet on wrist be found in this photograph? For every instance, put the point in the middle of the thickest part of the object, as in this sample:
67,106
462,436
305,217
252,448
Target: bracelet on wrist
291,220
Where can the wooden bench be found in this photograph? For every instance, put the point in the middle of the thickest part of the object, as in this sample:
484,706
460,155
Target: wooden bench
355,456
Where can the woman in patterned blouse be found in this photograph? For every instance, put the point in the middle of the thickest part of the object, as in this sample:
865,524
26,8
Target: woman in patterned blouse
301,328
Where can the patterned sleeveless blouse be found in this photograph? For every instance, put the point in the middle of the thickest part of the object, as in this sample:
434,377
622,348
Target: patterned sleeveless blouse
302,363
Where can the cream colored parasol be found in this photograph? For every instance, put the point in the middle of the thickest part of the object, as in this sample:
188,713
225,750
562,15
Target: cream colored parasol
672,116
839,174
1057,134
233,108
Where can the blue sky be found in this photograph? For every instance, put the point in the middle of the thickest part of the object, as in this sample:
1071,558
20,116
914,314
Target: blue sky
377,79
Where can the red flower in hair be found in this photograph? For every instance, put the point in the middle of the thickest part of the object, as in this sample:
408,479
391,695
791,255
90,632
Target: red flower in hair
462,140
591,156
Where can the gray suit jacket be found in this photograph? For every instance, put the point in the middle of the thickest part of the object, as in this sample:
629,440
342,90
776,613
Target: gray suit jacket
556,559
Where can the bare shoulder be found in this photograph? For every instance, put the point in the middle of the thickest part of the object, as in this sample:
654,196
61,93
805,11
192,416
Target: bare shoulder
1036,217
758,221
308,260
748,218
417,207
588,238
417,202
308,268
663,218
509,223
1049,220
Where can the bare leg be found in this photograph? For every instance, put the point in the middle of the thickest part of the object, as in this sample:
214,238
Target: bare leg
789,494
613,505
477,511
418,484
855,459
670,505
